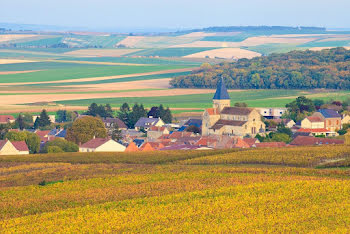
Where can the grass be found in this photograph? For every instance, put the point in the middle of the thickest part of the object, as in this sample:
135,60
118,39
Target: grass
148,192
116,80
76,72
254,98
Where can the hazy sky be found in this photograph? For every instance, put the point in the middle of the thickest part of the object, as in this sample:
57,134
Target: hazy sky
176,14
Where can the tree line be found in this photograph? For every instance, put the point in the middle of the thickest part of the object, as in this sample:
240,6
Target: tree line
294,70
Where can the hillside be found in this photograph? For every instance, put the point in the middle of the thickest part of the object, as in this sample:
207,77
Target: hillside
256,190
294,70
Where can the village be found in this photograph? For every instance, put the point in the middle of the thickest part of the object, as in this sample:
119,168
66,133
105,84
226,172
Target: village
220,127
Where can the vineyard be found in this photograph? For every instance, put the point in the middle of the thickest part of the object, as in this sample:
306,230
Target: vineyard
254,190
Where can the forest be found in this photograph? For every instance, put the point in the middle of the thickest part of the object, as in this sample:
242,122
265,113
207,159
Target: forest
308,69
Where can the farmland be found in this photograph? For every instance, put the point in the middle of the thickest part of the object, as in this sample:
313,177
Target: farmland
75,69
255,190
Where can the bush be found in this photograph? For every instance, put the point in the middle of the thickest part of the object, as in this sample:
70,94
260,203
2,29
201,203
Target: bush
54,149
63,145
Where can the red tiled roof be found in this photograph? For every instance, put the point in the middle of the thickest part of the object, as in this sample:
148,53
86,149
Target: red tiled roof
157,129
177,135
307,140
147,147
20,145
94,143
42,133
241,144
132,147
316,130
251,141
314,119
271,144
6,118
212,111
2,143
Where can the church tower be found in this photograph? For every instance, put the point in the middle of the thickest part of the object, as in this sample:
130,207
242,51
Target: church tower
221,98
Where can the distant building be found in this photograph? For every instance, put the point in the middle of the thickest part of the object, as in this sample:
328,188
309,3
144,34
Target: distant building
345,119
331,118
102,145
155,132
147,123
5,119
272,113
233,121
13,148
312,122
318,132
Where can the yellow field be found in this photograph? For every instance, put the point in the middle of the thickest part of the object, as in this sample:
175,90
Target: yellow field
160,192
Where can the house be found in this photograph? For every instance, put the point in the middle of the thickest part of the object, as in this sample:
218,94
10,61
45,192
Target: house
51,117
155,132
308,140
331,118
111,123
146,123
233,121
312,122
318,132
5,119
13,148
272,113
102,145
345,119
45,135
289,123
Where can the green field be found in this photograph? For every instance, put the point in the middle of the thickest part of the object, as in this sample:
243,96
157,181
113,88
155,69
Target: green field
76,72
254,98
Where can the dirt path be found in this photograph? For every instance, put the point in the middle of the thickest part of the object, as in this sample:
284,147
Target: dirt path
17,72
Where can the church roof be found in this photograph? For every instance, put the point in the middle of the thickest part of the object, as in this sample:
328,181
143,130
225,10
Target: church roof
222,122
221,91
236,111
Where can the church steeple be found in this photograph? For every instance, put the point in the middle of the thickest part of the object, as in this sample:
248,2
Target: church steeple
221,98
221,91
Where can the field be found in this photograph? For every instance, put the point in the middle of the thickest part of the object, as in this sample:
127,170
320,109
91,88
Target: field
74,69
255,190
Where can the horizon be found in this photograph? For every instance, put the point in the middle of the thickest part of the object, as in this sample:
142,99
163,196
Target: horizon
108,14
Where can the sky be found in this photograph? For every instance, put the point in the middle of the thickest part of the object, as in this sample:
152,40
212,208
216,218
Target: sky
179,14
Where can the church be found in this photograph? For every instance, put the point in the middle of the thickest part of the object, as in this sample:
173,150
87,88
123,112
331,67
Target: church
223,119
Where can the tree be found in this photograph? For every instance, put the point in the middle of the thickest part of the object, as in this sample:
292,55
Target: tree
64,145
281,128
167,116
241,104
92,109
299,108
116,133
124,114
109,111
20,122
85,129
281,137
43,120
4,128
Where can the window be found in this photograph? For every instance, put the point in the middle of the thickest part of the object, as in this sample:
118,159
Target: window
329,122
